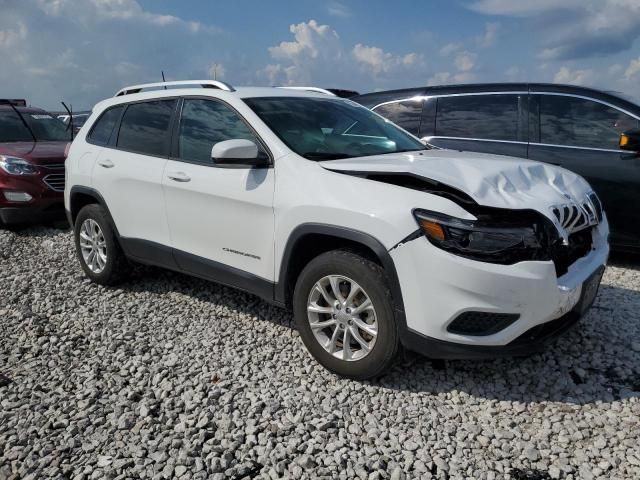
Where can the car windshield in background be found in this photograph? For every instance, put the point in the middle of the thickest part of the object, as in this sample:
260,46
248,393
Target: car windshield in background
329,129
44,127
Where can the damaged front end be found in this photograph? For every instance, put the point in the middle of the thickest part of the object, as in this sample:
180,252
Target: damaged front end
500,235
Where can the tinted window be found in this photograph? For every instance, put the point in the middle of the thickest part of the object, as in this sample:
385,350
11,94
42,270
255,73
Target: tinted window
493,117
581,123
405,114
205,123
101,131
145,127
329,129
12,128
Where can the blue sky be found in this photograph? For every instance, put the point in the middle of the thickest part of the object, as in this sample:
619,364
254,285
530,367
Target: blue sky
82,51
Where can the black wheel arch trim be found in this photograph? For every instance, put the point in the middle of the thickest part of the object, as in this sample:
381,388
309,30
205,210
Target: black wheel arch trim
356,236
91,192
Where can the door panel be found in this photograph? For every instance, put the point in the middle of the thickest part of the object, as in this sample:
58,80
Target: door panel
222,216
132,189
129,176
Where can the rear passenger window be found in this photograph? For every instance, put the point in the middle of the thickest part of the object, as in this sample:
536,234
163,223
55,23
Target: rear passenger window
101,131
581,123
490,117
145,127
406,114
204,123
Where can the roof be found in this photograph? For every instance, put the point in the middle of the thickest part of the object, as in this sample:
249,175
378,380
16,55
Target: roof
194,87
375,98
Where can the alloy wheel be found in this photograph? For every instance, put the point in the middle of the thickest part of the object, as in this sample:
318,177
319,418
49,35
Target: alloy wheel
93,246
342,317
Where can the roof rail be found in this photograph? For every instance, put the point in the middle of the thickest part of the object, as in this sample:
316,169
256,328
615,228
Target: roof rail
312,89
203,83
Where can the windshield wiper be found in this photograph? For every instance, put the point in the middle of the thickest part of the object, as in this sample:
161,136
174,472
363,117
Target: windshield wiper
324,156
10,103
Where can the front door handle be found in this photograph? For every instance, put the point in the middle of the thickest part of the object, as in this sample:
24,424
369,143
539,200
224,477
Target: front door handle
179,177
106,163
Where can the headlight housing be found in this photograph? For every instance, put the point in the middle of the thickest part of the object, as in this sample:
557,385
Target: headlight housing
495,242
17,166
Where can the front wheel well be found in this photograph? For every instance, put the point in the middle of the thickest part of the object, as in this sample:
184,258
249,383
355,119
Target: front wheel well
309,246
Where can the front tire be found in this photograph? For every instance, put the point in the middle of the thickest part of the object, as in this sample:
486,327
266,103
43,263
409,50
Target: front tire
98,250
344,312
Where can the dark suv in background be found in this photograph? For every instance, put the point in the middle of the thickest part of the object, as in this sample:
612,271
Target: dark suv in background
574,127
32,154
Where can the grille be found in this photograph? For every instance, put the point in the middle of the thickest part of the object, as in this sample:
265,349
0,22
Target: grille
54,180
597,205
481,323
574,217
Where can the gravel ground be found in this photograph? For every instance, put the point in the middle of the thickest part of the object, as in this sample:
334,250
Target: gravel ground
170,376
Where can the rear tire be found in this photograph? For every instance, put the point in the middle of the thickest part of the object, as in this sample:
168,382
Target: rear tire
342,298
98,250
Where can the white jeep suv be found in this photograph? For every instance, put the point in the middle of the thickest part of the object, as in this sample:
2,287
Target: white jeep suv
316,203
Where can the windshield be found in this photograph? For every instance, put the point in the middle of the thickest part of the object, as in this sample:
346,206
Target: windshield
44,127
328,129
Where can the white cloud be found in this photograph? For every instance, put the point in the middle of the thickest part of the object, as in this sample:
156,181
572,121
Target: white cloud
81,52
465,61
311,39
633,69
450,48
13,35
488,38
522,8
338,9
377,60
317,56
574,29
574,77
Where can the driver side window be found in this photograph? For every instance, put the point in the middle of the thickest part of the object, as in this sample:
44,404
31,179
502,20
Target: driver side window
206,122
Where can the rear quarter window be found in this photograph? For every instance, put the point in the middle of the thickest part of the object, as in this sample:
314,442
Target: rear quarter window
103,128
145,127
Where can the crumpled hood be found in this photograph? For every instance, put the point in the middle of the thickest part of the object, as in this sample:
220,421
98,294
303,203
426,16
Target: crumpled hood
491,180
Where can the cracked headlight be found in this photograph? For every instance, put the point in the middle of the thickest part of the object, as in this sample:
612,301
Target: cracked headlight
480,240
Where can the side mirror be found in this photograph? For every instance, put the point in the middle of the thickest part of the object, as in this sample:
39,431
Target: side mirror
630,141
238,152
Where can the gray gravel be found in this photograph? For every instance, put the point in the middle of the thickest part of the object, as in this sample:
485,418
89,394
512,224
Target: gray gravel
170,376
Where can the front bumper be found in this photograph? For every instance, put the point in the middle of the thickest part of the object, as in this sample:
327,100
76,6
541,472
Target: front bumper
31,215
437,287
46,204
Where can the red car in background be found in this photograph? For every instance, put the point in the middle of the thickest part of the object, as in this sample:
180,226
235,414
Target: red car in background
32,153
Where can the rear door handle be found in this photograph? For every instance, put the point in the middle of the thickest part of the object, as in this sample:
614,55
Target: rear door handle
179,177
106,163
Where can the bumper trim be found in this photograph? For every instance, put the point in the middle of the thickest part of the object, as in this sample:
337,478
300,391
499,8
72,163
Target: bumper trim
29,215
532,341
